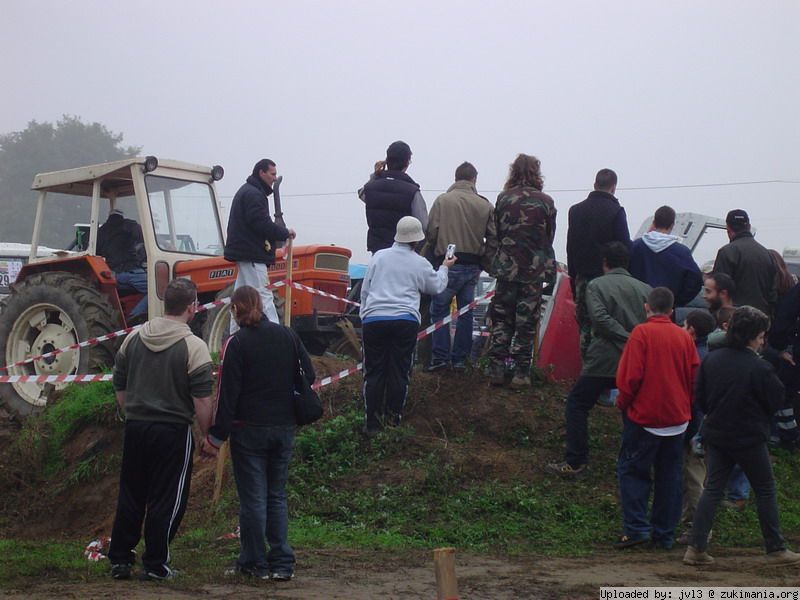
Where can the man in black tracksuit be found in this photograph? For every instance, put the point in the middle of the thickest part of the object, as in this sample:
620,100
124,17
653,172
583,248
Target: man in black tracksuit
593,223
162,377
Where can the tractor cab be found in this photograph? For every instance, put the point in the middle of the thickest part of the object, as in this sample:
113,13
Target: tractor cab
173,202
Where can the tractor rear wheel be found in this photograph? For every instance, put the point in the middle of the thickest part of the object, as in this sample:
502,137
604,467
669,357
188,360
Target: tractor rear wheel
44,312
217,326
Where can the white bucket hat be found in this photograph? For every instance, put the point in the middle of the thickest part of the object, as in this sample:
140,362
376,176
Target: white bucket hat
409,230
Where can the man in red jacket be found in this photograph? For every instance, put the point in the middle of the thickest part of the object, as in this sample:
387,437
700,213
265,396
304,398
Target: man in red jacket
655,379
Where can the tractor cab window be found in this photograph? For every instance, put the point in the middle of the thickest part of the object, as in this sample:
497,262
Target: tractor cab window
63,218
184,216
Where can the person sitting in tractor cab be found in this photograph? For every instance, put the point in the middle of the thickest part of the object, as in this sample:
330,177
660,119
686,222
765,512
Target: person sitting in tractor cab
120,242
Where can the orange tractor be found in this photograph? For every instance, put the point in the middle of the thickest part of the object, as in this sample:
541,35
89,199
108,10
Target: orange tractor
72,296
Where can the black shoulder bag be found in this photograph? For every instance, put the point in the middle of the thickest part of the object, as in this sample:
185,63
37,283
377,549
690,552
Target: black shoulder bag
307,405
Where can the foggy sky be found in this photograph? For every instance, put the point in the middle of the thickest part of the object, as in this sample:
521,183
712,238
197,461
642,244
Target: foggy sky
669,93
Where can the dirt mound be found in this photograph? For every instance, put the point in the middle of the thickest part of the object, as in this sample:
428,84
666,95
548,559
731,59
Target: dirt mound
483,433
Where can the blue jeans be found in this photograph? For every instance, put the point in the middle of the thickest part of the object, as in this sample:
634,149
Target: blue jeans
738,485
134,281
640,453
261,458
461,282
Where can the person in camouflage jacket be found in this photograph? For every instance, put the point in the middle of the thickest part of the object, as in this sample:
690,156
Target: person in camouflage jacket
525,220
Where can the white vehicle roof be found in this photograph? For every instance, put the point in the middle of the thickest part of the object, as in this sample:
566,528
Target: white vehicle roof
116,175
9,249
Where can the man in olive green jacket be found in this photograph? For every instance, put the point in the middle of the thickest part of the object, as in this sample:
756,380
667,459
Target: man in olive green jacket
615,302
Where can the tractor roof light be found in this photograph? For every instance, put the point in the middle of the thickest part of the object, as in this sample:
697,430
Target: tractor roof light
217,173
150,164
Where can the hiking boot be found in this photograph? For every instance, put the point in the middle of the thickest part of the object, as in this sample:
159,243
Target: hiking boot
783,558
697,558
497,375
521,382
437,365
564,469
460,366
683,538
121,571
281,576
153,576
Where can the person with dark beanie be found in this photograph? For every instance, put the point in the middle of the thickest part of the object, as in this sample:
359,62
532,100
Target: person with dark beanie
255,409
596,221
389,195
738,392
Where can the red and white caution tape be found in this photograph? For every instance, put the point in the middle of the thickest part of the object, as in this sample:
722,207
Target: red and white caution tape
311,290
95,549
42,379
465,309
115,334
88,378
340,375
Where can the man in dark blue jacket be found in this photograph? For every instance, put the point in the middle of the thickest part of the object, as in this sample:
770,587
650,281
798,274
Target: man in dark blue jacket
252,234
660,260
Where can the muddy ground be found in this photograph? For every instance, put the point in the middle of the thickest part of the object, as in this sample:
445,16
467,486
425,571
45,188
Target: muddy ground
366,576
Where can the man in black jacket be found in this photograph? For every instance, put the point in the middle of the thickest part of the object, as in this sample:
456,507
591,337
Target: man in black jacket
593,223
252,234
389,195
749,264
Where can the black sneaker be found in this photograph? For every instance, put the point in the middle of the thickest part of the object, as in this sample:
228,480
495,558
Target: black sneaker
281,576
437,365
626,541
121,571
244,571
153,576
370,432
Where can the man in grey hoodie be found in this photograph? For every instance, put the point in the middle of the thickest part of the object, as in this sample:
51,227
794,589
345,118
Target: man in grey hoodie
660,260
162,378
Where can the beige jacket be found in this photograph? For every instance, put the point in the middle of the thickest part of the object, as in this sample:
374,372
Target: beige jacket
462,217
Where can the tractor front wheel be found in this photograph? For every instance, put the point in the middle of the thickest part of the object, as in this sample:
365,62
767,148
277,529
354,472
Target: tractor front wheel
45,312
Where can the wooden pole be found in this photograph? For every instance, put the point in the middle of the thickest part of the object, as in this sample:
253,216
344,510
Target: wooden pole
222,455
287,304
444,563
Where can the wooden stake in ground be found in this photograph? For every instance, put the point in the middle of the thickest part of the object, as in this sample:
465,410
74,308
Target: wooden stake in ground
444,563
222,456
287,305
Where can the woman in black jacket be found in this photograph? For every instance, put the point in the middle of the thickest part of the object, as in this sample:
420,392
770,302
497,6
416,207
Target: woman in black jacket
738,392
256,409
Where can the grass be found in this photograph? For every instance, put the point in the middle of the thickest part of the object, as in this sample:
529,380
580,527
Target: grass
395,494
42,438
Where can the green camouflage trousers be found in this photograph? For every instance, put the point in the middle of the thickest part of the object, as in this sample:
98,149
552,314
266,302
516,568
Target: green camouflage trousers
514,312
582,313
